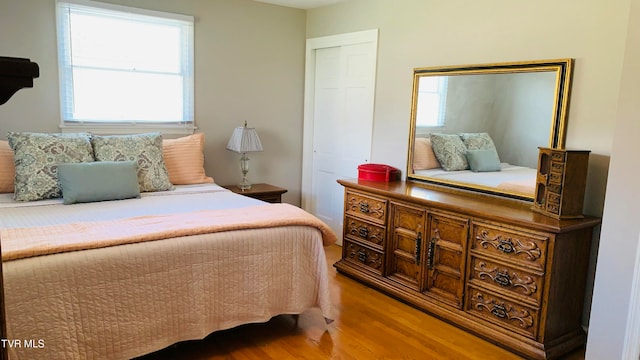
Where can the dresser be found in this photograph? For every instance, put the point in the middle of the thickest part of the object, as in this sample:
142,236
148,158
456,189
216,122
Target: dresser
491,266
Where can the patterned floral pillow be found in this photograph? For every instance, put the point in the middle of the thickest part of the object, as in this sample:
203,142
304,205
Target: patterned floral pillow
477,141
36,158
144,149
450,151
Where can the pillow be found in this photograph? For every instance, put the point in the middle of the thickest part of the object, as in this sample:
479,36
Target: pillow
423,156
450,151
477,141
184,158
143,149
98,181
7,169
36,159
483,160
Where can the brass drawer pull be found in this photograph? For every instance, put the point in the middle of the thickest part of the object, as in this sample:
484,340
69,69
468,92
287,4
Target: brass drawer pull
364,207
418,248
430,253
502,279
363,232
362,256
505,246
499,311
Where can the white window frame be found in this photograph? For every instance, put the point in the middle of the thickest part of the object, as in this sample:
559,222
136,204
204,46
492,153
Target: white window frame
185,125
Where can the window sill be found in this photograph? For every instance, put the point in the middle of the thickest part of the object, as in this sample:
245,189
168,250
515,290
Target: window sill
121,129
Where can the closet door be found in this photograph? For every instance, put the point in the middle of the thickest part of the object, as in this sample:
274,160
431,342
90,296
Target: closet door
338,124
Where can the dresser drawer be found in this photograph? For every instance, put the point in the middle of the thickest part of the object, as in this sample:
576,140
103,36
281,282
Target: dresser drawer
364,257
521,319
553,198
555,188
557,166
363,231
366,207
558,156
553,208
506,279
555,177
518,247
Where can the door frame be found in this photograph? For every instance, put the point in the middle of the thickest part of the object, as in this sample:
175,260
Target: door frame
314,44
631,347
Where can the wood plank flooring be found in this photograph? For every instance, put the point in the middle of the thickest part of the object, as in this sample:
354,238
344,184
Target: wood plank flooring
368,325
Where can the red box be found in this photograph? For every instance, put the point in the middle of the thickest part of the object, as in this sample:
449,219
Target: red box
378,172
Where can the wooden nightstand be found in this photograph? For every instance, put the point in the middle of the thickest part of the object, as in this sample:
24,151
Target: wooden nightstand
264,192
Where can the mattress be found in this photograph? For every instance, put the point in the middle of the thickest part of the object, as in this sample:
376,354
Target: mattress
514,178
123,301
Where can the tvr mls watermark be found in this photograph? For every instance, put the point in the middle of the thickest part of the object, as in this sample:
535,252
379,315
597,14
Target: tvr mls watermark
23,343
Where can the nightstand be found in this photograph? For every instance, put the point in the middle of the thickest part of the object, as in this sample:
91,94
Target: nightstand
264,192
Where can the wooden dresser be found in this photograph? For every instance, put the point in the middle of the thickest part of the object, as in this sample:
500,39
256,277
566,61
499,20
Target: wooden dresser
491,266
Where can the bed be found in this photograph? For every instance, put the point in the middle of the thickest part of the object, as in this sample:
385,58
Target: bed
79,285
513,178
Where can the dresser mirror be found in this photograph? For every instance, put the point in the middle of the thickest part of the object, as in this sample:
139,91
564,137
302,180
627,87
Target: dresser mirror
478,127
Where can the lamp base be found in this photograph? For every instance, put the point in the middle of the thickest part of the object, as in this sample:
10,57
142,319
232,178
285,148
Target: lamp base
244,166
244,185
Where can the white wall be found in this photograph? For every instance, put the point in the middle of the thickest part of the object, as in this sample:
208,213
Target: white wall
621,219
249,65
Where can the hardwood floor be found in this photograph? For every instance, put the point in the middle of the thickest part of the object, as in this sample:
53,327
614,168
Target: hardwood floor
368,325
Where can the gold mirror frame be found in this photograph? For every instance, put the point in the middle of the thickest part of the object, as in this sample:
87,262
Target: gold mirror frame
563,70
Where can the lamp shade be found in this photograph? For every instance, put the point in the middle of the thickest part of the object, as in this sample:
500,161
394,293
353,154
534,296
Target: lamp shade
244,139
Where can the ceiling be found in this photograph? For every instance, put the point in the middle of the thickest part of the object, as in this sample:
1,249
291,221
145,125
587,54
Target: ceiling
301,4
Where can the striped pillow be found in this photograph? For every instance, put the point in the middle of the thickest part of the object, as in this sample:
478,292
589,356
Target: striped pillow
184,158
7,168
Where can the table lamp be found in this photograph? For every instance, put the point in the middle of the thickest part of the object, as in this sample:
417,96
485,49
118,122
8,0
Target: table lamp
243,140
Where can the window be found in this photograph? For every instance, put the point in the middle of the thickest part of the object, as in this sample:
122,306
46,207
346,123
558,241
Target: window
124,68
432,97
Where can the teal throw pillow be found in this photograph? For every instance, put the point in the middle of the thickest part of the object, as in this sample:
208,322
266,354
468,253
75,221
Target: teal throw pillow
483,160
98,181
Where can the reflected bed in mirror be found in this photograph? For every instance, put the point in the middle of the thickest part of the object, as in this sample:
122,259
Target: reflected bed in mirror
478,127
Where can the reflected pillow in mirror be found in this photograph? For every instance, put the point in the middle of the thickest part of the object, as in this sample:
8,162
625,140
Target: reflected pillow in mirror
450,151
7,168
423,156
478,141
483,160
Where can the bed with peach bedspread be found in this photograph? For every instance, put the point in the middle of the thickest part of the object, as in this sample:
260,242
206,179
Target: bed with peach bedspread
82,286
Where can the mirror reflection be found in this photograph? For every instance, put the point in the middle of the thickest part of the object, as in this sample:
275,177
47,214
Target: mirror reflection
479,127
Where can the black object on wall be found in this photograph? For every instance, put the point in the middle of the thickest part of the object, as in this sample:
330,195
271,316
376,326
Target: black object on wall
15,74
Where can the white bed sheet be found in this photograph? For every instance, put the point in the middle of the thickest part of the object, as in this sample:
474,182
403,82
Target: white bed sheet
124,301
510,177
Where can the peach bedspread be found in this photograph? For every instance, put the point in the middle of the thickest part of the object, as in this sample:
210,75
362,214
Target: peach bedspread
18,243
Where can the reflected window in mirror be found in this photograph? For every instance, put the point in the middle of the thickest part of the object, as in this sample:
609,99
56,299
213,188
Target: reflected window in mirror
431,102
